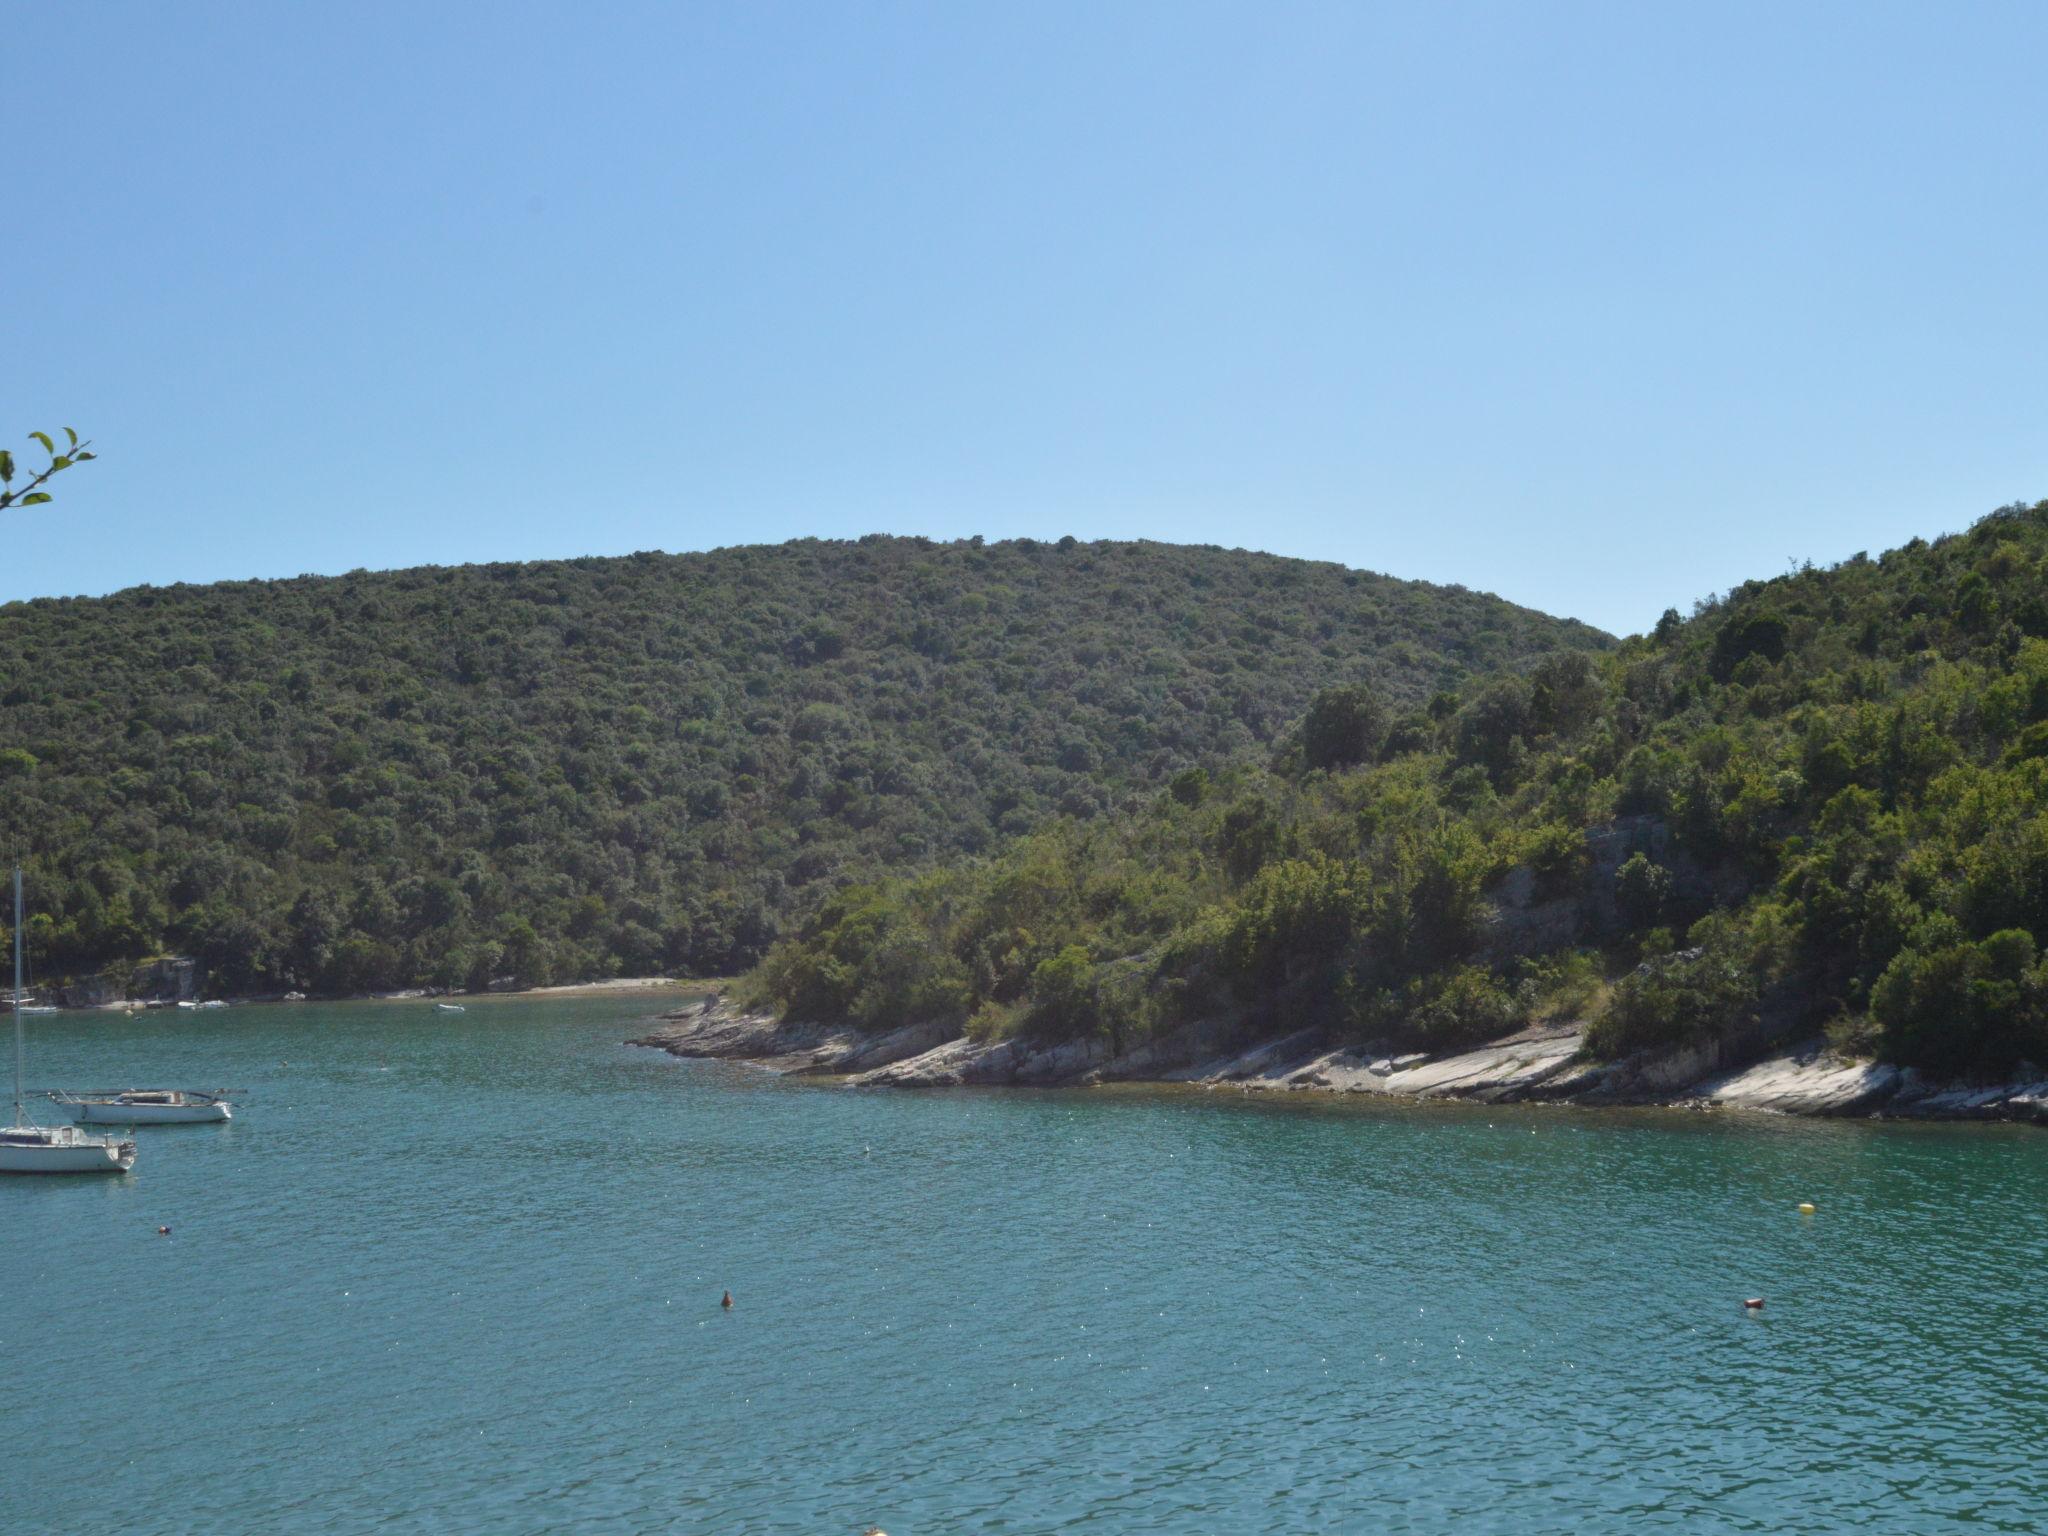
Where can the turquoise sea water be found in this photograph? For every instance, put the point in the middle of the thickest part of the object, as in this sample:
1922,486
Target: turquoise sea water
463,1274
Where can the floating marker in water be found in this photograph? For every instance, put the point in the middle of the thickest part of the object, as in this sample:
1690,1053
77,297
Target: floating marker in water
1755,1303
1806,1207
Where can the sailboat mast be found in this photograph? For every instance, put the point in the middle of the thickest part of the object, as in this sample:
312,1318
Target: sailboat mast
17,994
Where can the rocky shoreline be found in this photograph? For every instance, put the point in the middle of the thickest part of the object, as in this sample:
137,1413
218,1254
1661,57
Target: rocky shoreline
1535,1066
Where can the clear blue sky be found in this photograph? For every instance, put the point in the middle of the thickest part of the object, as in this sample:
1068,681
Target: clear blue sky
1598,307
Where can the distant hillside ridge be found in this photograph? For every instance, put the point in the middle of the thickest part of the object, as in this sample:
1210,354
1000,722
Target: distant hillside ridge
580,768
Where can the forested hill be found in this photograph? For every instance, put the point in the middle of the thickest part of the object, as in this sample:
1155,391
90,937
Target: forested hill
579,768
1820,801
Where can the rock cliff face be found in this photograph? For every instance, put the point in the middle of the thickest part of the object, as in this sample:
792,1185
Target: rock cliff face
1525,919
1538,1065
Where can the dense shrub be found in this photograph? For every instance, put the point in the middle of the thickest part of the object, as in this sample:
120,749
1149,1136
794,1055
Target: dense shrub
1470,1006
1344,726
1642,891
1748,634
1066,993
1963,1007
1697,995
1295,914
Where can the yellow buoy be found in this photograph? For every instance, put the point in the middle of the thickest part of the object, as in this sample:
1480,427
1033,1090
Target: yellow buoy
1806,1207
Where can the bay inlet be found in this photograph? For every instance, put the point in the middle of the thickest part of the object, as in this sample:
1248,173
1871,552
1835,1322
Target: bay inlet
464,1273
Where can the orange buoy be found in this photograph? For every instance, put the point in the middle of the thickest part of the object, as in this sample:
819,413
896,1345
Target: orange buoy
163,1231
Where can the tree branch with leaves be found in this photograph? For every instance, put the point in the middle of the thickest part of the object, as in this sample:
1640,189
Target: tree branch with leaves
32,494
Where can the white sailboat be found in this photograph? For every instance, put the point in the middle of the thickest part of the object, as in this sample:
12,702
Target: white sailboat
146,1106
26,1148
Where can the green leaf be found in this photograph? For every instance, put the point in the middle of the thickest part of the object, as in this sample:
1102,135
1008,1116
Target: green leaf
80,458
6,465
44,439
59,462
72,435
36,498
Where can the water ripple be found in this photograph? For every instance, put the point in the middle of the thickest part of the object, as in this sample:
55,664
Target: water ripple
463,1276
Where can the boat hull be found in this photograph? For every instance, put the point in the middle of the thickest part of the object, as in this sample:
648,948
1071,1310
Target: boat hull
86,1157
98,1113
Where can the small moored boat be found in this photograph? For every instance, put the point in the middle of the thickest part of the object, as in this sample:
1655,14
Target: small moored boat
146,1106
449,1008
62,1149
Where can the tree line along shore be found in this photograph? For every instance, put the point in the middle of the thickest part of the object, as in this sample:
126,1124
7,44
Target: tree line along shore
1815,809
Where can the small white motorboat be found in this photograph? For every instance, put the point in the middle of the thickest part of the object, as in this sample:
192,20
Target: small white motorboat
449,1008
146,1106
187,1003
62,1149
214,1002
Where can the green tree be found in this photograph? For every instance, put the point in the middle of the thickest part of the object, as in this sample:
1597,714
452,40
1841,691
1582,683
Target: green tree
1344,725
1066,994
1642,891
1964,1007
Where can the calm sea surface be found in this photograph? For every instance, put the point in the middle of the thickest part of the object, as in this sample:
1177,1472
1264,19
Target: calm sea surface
463,1274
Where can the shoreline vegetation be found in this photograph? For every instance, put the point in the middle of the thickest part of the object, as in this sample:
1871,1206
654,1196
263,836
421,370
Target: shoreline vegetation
1543,1065
1811,817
